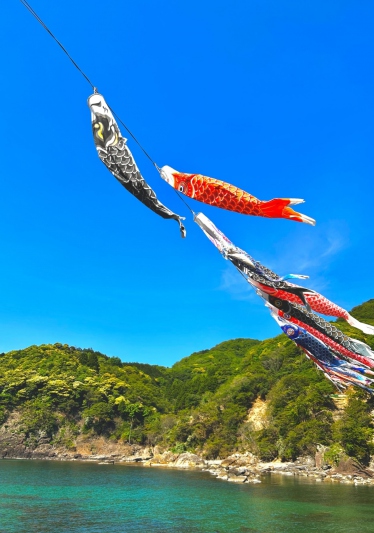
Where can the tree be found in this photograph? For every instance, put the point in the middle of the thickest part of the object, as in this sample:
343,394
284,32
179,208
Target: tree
355,430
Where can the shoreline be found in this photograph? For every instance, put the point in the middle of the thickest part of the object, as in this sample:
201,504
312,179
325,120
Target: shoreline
237,468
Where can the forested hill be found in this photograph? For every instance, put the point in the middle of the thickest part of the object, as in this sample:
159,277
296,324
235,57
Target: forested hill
206,403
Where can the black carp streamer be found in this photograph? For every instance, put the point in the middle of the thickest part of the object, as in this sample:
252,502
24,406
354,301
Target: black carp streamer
114,153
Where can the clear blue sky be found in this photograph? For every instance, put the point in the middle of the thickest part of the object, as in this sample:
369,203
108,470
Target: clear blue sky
275,97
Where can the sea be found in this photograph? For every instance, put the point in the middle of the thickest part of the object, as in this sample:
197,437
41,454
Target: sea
80,497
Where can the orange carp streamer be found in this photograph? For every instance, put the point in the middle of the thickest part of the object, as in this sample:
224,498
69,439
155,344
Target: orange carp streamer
221,194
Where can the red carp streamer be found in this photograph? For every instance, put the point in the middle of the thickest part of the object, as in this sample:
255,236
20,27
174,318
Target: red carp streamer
317,302
221,194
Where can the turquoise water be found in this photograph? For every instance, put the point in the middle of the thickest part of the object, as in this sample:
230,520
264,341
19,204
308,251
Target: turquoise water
46,497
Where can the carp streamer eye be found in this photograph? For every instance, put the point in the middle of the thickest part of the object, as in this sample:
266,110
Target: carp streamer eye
181,188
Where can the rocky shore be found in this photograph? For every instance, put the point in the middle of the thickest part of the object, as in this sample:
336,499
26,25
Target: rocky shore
246,468
237,468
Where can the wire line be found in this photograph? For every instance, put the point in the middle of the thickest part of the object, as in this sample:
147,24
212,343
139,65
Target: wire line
34,14
27,6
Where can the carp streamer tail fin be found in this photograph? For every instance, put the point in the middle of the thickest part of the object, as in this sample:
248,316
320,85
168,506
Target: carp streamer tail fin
366,328
279,208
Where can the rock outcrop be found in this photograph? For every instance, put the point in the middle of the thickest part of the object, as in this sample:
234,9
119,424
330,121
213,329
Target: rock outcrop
237,468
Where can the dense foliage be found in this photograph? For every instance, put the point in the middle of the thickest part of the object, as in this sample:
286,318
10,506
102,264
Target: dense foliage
200,404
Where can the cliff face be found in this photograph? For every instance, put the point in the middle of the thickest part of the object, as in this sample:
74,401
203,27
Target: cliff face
12,442
15,445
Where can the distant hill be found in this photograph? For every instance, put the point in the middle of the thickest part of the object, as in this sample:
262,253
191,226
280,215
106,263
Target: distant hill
364,312
204,403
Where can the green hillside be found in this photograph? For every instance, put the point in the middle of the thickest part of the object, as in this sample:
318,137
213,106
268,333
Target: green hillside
364,312
201,404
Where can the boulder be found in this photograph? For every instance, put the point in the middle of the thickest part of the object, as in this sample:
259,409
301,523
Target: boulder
189,460
237,479
306,460
164,458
